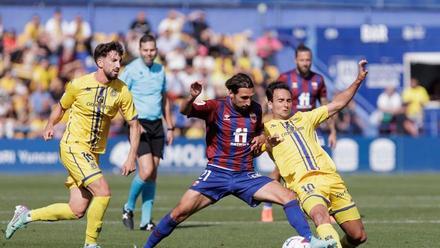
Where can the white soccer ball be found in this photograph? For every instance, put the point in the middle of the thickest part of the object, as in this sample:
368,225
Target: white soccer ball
296,242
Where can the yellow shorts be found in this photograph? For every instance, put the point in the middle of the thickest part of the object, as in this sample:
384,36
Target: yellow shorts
328,190
81,164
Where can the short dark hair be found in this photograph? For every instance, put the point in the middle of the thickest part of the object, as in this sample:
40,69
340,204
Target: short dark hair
275,86
302,48
239,80
147,38
104,48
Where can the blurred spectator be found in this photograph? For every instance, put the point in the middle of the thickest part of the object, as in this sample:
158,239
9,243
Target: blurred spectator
141,25
393,119
415,97
10,44
175,86
202,61
173,22
55,28
40,102
267,46
348,122
42,75
167,42
80,31
32,30
197,20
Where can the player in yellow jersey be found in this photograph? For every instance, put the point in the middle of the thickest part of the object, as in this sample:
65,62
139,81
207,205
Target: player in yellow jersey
307,168
92,101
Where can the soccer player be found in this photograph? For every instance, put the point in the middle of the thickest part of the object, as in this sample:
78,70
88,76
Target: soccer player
307,168
92,101
146,81
307,88
234,134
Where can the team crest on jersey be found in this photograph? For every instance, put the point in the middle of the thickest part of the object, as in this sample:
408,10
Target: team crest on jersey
253,117
100,99
113,93
295,85
315,85
226,117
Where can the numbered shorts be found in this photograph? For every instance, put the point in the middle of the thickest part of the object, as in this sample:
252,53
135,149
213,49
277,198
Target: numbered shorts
81,164
153,139
216,183
329,190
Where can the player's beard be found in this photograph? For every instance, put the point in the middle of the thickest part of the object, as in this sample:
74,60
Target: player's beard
242,109
304,70
111,75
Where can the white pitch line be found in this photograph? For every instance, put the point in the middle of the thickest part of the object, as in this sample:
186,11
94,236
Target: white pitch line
232,222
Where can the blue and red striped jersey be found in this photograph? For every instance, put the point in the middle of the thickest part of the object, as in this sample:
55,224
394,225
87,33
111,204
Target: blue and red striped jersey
305,90
229,133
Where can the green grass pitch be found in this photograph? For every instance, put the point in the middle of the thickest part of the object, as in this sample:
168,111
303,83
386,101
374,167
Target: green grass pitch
398,211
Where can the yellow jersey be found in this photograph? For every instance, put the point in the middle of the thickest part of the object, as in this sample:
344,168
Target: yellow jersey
300,154
91,106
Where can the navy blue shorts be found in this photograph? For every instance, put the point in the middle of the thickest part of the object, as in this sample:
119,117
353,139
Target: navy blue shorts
216,183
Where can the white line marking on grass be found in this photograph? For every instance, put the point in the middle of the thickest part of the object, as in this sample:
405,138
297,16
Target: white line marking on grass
244,222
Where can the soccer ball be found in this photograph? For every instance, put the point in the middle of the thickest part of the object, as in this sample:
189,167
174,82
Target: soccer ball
296,242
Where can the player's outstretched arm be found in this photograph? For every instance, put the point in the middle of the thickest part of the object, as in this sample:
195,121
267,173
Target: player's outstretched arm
343,98
195,90
130,163
168,119
55,116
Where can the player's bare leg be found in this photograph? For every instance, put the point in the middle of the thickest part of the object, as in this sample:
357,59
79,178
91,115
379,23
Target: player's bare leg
75,209
321,217
276,193
191,202
354,233
267,212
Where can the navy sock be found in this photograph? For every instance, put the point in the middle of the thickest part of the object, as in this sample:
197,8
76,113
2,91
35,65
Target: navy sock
162,230
297,220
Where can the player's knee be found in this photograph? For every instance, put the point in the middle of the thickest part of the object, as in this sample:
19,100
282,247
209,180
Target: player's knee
288,196
178,214
320,215
79,211
358,236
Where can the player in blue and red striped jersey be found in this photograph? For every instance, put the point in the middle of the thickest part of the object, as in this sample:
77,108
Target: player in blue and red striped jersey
307,88
233,138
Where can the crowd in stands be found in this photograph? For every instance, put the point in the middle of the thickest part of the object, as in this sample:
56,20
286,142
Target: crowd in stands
36,64
402,113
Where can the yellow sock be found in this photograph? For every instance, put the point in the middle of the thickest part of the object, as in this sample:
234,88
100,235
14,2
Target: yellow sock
54,212
326,231
95,215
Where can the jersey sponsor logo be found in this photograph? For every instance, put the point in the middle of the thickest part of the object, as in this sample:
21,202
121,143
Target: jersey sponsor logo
295,85
253,117
226,117
200,103
240,137
88,89
304,101
273,125
94,104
